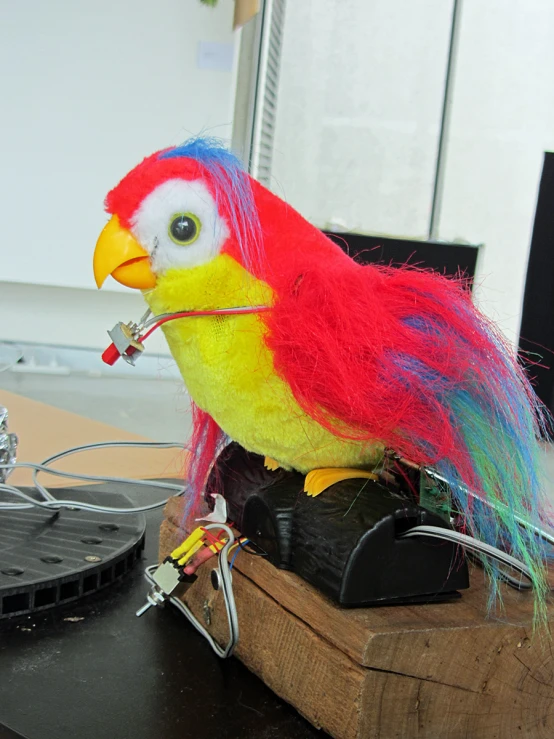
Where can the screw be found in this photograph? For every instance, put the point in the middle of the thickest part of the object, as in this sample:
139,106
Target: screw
92,540
207,613
51,559
12,571
92,558
144,608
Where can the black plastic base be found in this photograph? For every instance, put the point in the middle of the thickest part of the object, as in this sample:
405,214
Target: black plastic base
51,558
346,542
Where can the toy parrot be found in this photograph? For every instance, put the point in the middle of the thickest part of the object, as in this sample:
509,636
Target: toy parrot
331,362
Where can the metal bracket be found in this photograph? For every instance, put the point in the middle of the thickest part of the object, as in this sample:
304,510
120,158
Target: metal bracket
124,339
8,445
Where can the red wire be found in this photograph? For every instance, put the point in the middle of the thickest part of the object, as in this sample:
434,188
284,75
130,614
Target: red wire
407,479
112,354
210,537
213,540
188,314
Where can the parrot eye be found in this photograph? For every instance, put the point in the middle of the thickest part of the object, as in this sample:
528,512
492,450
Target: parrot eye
179,225
184,228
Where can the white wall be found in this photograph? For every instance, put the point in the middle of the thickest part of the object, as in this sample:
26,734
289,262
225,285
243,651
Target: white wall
88,88
502,122
361,90
360,101
66,316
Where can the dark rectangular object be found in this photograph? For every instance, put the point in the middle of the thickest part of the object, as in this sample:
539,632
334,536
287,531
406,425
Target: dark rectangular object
537,321
347,542
448,259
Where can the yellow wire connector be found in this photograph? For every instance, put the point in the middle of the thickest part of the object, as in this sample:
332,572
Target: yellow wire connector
169,575
192,544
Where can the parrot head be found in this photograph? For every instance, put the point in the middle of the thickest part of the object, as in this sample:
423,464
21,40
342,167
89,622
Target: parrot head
185,213
190,220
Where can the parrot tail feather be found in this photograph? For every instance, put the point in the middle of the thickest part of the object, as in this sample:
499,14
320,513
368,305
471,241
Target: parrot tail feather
401,356
206,442
486,425
495,466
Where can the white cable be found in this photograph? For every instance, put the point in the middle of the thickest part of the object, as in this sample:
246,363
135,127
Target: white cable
48,501
55,505
98,445
146,322
546,535
474,545
227,588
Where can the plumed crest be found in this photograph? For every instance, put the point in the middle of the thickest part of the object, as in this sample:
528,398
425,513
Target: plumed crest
231,187
223,173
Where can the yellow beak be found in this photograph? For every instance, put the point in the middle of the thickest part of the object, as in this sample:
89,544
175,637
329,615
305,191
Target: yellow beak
120,255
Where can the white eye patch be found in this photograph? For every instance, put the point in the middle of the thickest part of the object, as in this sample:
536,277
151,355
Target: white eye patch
151,222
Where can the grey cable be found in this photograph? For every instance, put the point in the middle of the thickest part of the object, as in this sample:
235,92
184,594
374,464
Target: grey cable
474,545
227,587
146,322
50,502
98,445
546,535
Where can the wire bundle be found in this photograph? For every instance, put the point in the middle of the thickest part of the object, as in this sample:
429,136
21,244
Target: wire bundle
227,589
48,501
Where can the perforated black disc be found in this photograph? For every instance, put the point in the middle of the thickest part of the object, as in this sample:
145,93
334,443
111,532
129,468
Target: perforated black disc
47,559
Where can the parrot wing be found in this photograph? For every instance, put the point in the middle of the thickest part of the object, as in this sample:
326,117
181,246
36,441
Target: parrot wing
402,356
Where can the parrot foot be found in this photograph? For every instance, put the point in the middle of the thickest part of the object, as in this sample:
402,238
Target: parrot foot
271,464
319,480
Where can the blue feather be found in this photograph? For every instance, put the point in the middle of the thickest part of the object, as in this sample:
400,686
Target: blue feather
232,190
498,425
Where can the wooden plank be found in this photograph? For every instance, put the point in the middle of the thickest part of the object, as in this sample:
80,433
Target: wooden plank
280,649
423,677
366,633
44,430
395,707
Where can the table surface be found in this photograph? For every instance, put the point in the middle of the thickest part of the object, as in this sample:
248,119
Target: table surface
93,669
44,430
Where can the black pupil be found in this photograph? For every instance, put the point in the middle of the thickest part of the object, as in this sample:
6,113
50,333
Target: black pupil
183,228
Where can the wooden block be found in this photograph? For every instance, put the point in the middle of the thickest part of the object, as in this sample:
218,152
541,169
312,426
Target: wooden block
442,671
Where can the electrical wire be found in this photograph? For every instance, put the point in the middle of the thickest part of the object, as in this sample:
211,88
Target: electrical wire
159,320
50,502
101,445
240,546
474,545
546,535
112,353
517,583
227,589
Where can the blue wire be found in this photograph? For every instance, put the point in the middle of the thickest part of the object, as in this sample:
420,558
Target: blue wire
240,546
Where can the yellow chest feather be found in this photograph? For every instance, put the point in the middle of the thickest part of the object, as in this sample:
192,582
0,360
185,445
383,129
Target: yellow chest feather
228,369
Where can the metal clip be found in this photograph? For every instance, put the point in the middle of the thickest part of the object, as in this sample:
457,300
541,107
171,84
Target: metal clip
124,338
8,445
166,579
